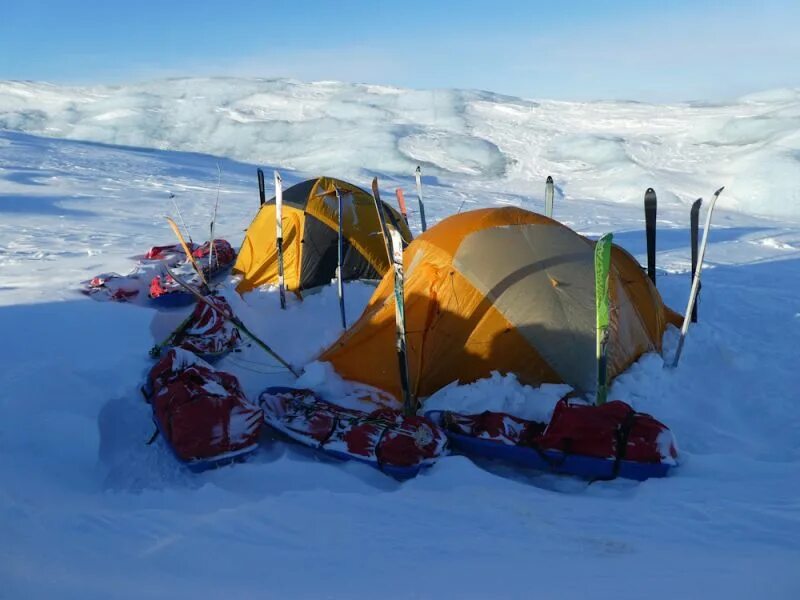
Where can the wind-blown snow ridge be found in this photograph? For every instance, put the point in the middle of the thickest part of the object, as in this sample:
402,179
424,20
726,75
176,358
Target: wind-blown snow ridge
597,150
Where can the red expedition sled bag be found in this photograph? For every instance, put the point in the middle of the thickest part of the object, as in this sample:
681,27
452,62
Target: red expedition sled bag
384,438
224,254
206,332
598,442
202,413
612,430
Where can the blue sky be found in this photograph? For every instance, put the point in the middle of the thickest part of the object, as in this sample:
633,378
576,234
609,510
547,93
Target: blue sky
624,49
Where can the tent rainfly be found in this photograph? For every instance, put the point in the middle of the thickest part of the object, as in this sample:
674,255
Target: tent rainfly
501,289
310,237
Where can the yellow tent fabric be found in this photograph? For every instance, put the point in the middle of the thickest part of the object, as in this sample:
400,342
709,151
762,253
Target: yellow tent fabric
310,233
501,289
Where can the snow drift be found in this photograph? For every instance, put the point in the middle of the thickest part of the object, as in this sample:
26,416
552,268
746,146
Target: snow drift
597,150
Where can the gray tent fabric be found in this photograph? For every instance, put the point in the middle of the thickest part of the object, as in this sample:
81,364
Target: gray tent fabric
541,278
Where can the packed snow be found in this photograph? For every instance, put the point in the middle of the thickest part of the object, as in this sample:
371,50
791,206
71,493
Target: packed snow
89,510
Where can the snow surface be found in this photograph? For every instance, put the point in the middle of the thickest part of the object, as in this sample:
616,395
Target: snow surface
607,148
88,510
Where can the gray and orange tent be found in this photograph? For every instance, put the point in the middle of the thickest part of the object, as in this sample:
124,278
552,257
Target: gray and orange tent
310,237
501,289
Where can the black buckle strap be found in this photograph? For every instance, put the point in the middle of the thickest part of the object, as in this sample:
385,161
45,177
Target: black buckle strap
622,434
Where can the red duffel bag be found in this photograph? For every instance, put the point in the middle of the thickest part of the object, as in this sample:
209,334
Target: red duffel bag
202,413
611,430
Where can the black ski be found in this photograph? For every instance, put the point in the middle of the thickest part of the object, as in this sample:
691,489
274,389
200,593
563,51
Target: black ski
694,224
423,223
650,206
262,194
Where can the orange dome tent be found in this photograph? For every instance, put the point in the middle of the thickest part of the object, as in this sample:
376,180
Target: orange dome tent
501,289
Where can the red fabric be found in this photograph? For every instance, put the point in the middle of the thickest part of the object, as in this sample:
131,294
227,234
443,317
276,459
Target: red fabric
207,332
165,252
383,436
576,429
157,288
409,441
503,427
223,252
594,431
111,286
202,412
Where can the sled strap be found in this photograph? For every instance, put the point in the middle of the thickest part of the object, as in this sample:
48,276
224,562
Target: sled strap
378,458
622,434
327,438
152,437
552,462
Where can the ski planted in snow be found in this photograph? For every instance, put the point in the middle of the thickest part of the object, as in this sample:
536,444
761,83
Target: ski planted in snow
401,203
262,192
400,319
189,255
339,258
394,250
694,226
423,224
650,207
234,320
211,252
602,269
279,235
549,192
180,216
687,317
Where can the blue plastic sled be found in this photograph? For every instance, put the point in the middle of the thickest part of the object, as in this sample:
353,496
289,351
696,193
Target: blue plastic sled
177,299
180,298
553,461
399,473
